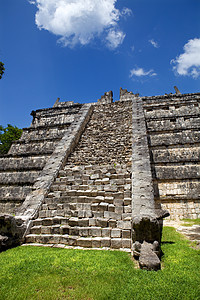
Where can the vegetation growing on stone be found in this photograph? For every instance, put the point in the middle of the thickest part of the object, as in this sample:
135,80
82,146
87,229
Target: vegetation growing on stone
2,69
7,136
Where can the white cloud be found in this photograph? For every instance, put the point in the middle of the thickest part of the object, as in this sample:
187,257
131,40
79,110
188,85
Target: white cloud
115,38
132,48
188,63
139,72
126,11
154,43
80,21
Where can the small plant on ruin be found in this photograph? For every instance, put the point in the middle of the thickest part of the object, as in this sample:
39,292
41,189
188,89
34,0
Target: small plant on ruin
2,69
7,136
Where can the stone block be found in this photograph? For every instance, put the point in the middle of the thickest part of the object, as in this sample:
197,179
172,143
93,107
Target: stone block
101,222
83,222
105,242
96,242
112,223
30,239
98,214
72,240
35,230
119,210
84,242
45,230
73,222
74,231
115,233
116,243
126,243
103,206
55,229
124,224
126,234
92,222
106,232
84,232
127,209
95,231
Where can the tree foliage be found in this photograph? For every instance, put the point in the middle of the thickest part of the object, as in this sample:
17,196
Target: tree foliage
2,69
7,136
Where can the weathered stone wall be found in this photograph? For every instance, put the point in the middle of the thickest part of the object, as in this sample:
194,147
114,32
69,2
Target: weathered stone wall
27,157
173,123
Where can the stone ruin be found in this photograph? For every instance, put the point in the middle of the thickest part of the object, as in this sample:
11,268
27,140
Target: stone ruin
103,175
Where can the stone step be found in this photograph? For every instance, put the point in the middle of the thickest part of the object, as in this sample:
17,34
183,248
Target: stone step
14,193
171,155
92,231
86,242
54,201
22,163
116,206
171,111
47,132
17,178
43,147
173,124
181,138
84,222
177,172
119,214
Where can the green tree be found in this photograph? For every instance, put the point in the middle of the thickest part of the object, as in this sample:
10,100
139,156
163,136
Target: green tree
7,136
2,69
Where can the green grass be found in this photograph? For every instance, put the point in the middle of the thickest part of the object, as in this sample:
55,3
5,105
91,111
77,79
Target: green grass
47,273
190,222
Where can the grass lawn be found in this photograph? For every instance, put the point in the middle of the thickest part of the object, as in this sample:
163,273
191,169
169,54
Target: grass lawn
50,273
190,222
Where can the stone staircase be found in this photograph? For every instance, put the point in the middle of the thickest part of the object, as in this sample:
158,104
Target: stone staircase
88,206
89,203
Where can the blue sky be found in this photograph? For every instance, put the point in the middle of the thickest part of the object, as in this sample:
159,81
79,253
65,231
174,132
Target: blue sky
79,49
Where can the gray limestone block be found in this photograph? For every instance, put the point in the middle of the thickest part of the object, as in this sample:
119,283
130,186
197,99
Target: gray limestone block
45,230
73,222
84,242
116,233
96,242
74,231
126,234
83,222
119,210
30,239
84,232
112,223
99,214
101,222
95,231
35,230
92,222
116,243
106,232
73,240
124,224
126,243
105,242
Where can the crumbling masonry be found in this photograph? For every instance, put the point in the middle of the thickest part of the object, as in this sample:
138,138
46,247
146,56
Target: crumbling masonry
103,175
